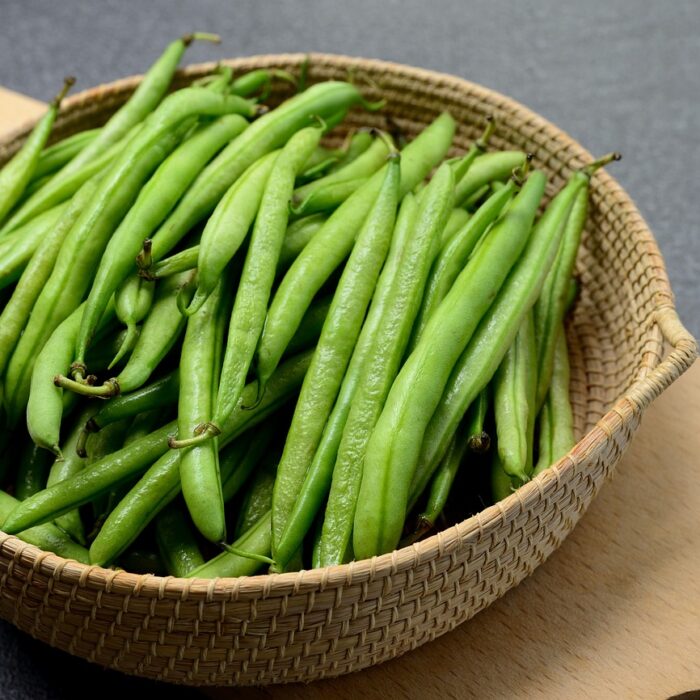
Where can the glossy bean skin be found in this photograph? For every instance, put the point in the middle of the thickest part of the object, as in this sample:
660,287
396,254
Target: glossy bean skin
299,233
395,445
162,393
442,482
478,440
142,102
18,247
200,365
258,540
47,537
77,259
361,167
454,255
17,310
317,481
310,327
258,275
176,542
17,172
557,438
179,262
496,333
355,145
228,227
266,134
161,483
32,471
258,500
328,197
154,202
485,169
335,346
333,242
132,302
65,466
458,219
54,157
61,188
552,304
240,459
382,365
45,403
515,385
159,333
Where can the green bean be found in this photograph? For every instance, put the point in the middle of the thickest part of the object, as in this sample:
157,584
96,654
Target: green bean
454,256
18,247
501,484
258,499
160,394
55,157
176,542
485,169
394,447
47,537
478,440
299,233
154,203
317,481
143,101
179,262
335,346
515,385
228,227
551,305
65,466
161,483
132,302
497,331
556,417
255,80
159,333
360,168
317,544
62,187
257,278
142,561
238,464
16,174
310,327
355,145
266,134
257,541
442,482
32,471
200,364
458,219
82,248
382,364
328,197
333,242
45,403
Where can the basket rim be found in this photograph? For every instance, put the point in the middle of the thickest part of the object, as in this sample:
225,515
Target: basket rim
444,542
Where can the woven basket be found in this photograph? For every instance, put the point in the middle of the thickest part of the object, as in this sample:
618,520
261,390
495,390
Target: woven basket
315,624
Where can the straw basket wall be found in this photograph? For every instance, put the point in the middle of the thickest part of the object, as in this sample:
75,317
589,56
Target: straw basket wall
627,347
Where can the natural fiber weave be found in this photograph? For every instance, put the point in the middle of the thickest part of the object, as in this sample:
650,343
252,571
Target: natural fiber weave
315,624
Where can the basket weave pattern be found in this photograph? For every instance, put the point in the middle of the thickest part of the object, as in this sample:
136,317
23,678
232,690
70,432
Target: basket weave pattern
315,624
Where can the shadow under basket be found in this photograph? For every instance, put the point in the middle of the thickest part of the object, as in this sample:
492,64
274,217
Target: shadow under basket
627,346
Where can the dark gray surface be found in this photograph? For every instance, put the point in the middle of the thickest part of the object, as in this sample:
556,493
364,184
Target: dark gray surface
621,75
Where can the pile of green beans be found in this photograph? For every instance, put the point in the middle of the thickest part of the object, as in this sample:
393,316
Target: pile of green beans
225,346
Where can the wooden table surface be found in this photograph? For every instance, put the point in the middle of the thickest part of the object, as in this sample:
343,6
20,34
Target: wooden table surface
614,613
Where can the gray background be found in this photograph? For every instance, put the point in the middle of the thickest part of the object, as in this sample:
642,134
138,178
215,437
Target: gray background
615,74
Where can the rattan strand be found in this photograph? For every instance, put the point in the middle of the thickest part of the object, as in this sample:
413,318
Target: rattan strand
315,624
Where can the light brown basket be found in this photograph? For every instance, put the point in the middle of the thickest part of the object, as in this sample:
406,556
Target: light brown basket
321,623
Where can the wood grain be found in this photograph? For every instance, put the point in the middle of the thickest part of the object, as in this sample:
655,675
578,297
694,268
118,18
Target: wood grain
614,613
